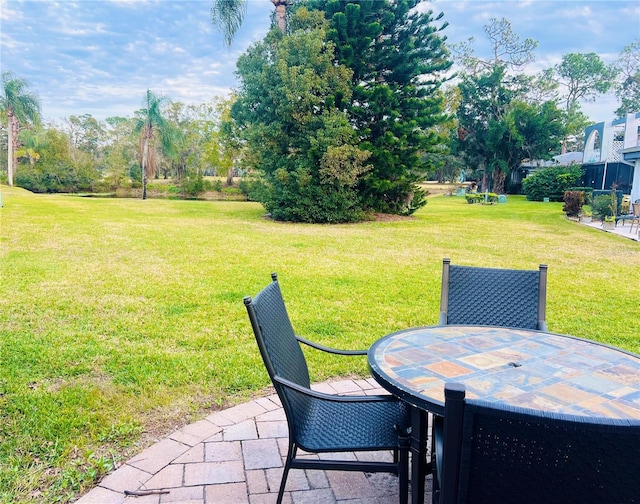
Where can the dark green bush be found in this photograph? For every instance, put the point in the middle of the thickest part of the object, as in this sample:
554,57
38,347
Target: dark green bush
295,199
480,198
551,183
604,205
56,177
216,185
619,195
193,186
573,201
252,188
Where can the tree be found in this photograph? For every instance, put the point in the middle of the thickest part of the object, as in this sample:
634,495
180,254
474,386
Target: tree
54,169
119,154
508,51
21,107
498,129
397,57
154,131
484,99
227,16
584,76
506,117
227,138
85,133
300,141
628,90
32,140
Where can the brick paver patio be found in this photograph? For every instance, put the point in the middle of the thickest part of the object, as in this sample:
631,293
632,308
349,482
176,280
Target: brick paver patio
236,456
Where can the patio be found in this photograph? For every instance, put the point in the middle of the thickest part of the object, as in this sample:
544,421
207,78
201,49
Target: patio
236,456
622,229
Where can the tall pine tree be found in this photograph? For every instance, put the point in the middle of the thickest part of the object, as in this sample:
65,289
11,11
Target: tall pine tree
398,58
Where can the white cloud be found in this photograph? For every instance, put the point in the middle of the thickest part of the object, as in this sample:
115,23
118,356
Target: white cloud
99,57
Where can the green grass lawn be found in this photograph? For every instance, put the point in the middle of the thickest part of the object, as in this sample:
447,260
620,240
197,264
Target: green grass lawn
121,320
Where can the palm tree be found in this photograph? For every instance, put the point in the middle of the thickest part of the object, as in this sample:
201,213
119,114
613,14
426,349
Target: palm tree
154,130
227,16
32,141
21,107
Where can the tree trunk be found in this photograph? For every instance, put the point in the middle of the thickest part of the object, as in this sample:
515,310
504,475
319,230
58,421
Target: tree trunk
498,181
281,14
12,131
144,163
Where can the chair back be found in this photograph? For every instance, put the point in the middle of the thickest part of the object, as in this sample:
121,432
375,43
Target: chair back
275,336
490,296
494,453
636,209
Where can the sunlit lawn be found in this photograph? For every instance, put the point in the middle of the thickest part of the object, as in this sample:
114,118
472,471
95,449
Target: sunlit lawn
123,319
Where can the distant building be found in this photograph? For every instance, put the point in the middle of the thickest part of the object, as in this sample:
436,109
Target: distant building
612,155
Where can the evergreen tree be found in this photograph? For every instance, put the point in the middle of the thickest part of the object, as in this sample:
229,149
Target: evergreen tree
299,139
397,57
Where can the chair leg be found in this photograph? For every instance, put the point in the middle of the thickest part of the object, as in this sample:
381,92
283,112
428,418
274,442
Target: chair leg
291,453
403,468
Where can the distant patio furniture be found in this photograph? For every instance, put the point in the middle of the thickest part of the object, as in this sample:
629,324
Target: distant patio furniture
497,453
320,422
490,296
636,217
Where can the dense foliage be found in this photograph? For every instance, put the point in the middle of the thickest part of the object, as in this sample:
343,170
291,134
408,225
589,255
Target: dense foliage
498,129
628,88
604,205
573,201
397,57
288,112
551,182
336,112
85,154
56,170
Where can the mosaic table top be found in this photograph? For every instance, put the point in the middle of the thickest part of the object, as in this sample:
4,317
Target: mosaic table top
529,369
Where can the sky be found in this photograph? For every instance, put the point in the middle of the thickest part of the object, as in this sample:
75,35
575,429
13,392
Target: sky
99,57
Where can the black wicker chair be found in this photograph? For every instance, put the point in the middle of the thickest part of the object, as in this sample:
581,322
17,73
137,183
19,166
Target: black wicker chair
495,453
489,296
320,422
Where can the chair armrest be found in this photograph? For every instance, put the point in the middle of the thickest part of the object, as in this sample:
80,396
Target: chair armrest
337,351
333,397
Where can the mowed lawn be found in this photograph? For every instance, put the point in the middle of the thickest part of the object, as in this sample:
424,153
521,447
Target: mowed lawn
121,320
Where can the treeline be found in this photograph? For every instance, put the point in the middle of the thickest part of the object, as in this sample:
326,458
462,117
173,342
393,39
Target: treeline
340,112
86,154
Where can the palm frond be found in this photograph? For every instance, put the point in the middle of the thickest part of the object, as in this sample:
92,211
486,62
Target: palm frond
227,17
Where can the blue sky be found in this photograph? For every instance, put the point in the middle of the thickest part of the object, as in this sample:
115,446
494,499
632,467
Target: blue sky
100,56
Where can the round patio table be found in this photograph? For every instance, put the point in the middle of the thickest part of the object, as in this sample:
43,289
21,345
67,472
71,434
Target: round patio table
518,367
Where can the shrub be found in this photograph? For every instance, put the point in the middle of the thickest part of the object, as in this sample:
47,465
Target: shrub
551,183
588,193
193,186
216,185
604,205
479,198
56,177
573,201
618,194
252,188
